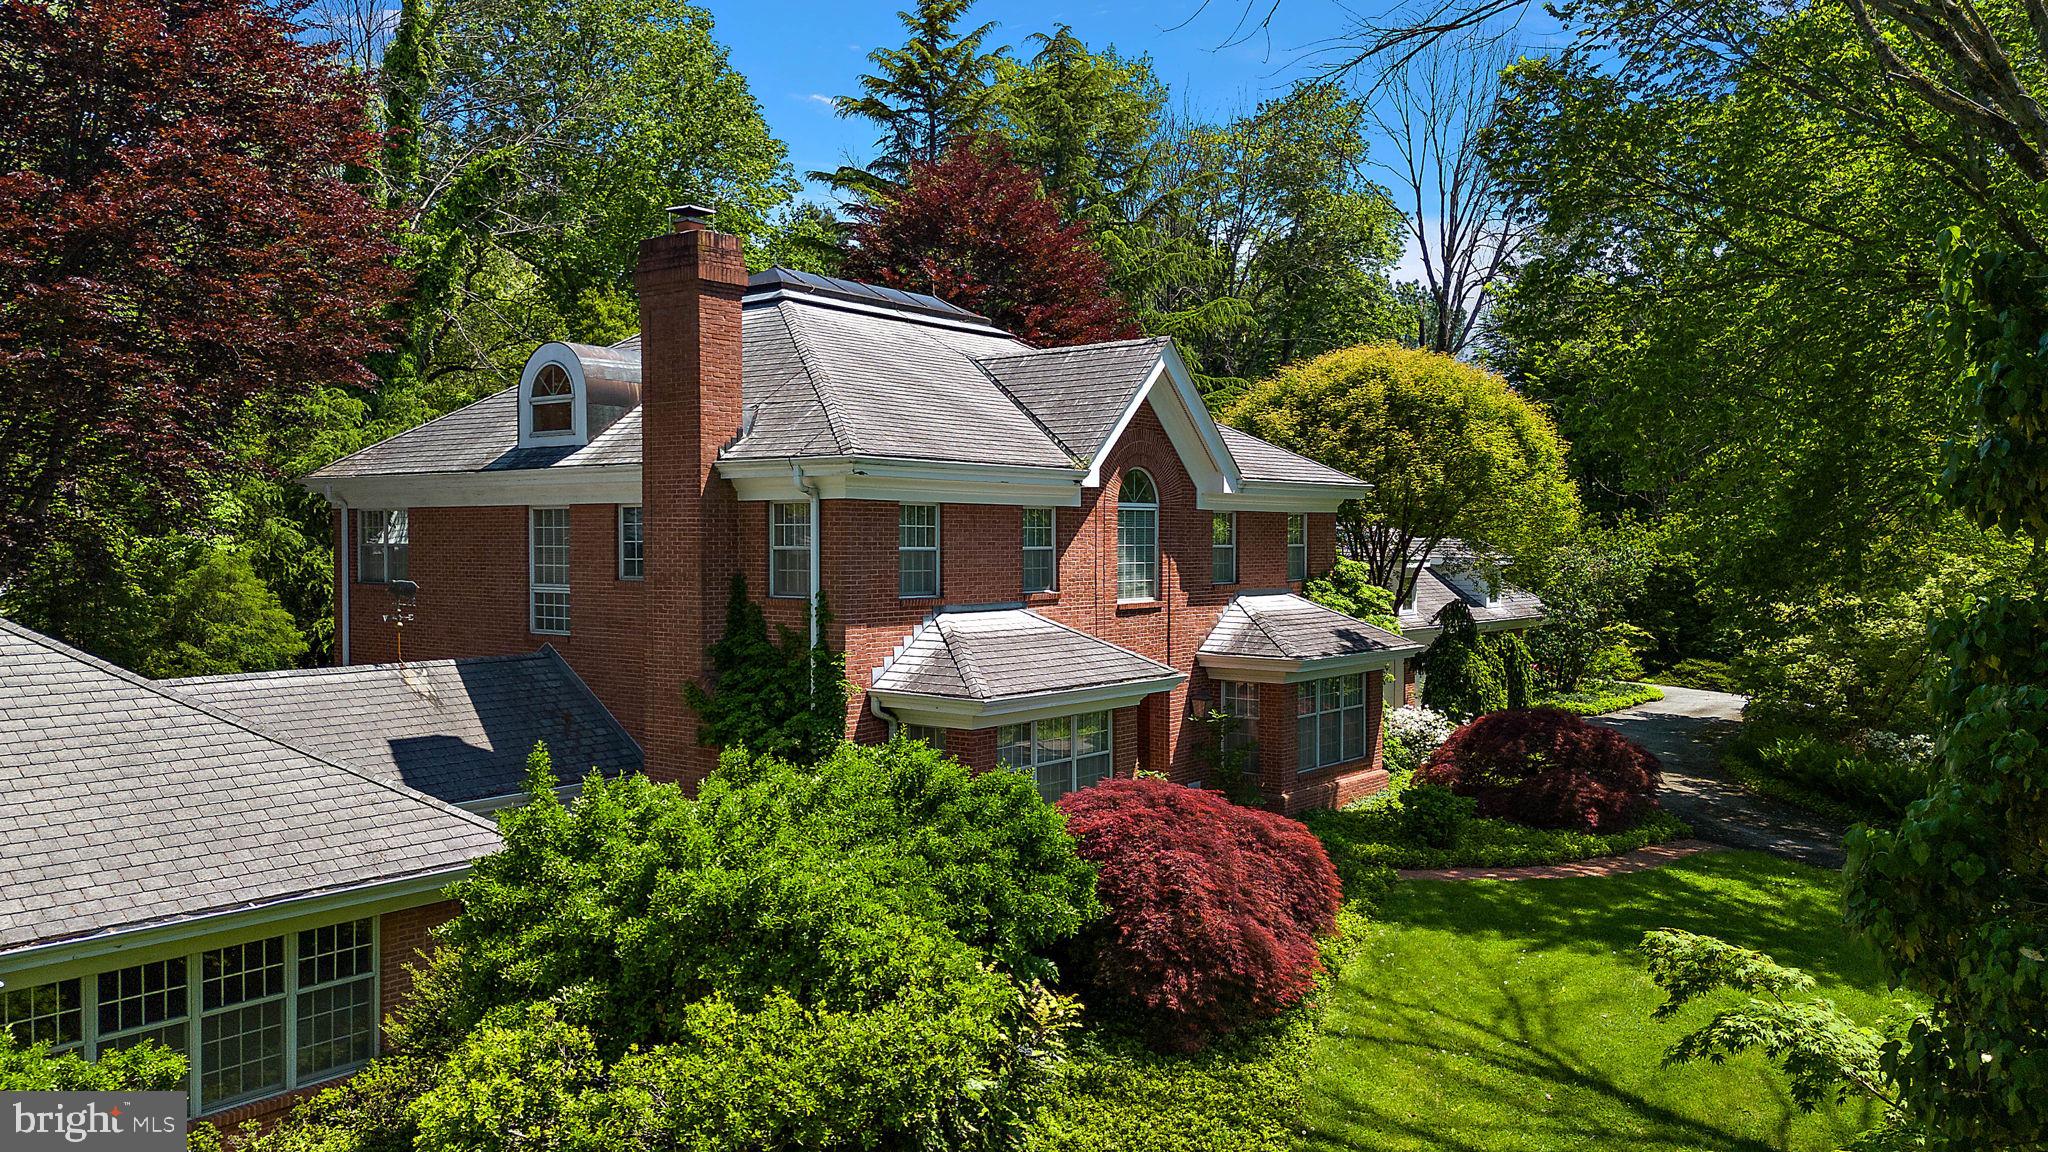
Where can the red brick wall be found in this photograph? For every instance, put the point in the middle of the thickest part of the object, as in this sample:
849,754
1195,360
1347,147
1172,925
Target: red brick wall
404,940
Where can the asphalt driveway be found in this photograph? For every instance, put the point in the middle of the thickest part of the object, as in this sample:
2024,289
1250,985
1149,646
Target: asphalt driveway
1681,730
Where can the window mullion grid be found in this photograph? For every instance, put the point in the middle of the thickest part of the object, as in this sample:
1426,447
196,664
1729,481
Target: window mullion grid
195,1032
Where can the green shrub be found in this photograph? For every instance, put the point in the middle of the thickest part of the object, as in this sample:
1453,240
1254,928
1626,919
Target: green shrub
1432,815
146,1067
1615,662
1598,697
1710,675
1462,675
1870,776
1509,650
1410,734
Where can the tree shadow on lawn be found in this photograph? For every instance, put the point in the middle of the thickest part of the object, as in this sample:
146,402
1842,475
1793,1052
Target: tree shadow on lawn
1518,1048
1791,911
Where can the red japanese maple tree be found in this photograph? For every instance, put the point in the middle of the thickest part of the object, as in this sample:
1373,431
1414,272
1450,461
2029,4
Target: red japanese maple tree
180,247
976,229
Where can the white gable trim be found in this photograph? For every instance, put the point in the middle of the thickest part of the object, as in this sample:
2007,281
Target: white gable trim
1206,440
578,435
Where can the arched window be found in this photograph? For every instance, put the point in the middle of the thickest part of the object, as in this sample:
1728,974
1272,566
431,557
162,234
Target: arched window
554,400
1137,538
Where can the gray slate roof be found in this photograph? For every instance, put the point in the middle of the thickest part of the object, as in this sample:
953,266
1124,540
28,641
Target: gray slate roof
458,730
1432,592
123,805
1284,626
834,368
990,654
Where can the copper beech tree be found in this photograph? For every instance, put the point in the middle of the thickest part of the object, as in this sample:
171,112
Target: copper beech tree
181,250
976,229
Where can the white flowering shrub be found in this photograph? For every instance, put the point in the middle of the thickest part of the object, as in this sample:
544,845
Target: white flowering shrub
1412,733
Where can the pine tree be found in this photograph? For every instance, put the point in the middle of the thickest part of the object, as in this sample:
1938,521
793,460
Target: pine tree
924,95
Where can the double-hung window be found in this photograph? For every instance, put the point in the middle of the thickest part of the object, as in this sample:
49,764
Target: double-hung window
1040,562
548,570
381,536
1329,724
632,543
917,550
1223,548
1297,547
252,1019
1240,701
1137,538
934,738
1062,753
789,550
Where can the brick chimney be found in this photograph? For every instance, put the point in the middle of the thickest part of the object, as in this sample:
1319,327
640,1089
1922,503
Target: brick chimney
690,282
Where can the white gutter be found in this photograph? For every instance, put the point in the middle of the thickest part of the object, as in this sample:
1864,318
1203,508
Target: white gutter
343,505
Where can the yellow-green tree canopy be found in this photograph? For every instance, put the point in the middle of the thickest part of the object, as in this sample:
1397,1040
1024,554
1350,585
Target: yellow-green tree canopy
1451,452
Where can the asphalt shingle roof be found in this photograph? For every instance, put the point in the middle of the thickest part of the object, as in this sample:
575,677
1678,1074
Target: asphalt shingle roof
1432,592
1283,626
841,369
123,804
458,730
988,654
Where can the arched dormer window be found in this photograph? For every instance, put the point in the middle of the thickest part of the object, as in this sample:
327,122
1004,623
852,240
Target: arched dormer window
554,402
1137,538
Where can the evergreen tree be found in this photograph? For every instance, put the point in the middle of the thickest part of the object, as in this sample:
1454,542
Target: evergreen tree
1087,122
1462,675
924,96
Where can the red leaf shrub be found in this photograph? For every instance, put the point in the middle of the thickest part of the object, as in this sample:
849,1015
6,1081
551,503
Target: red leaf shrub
1213,909
1547,769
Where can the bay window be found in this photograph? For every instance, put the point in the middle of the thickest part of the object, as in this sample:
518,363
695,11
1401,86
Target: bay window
1329,721
1062,753
1240,701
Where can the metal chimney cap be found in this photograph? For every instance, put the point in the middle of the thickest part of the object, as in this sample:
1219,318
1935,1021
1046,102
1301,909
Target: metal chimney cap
689,213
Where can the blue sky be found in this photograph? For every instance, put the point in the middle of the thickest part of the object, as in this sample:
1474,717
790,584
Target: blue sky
797,54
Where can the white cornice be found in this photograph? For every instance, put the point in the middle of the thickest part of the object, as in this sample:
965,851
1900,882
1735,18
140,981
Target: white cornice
576,484
954,712
1287,670
873,478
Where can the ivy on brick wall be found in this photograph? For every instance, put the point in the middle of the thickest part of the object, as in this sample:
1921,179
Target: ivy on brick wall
780,697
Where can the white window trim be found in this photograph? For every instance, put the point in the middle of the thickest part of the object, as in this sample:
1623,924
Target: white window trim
533,585
384,547
578,432
621,537
937,549
1137,506
1297,572
810,546
1073,758
1215,549
195,1013
1364,707
1052,550
1245,732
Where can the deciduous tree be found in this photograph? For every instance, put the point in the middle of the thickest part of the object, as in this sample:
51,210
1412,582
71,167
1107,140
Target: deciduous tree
977,230
180,255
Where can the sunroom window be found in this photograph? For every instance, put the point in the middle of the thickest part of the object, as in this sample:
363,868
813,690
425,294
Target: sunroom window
1062,753
1329,721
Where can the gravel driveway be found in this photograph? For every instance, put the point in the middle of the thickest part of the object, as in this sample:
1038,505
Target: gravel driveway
1682,730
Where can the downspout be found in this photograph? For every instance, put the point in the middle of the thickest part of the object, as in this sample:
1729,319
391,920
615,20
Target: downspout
796,474
343,505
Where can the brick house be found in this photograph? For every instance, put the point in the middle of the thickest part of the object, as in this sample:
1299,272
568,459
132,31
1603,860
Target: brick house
1042,559
1449,573
239,867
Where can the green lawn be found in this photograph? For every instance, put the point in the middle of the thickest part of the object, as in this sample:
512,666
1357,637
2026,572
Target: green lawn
1514,1015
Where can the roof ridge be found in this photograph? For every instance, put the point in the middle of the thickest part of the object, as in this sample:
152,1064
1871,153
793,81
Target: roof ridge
256,730
1252,616
549,651
344,669
1155,341
976,682
1022,407
813,371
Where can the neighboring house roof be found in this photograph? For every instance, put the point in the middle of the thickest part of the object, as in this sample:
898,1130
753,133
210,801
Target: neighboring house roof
1432,592
124,805
987,661
1282,626
832,368
457,730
